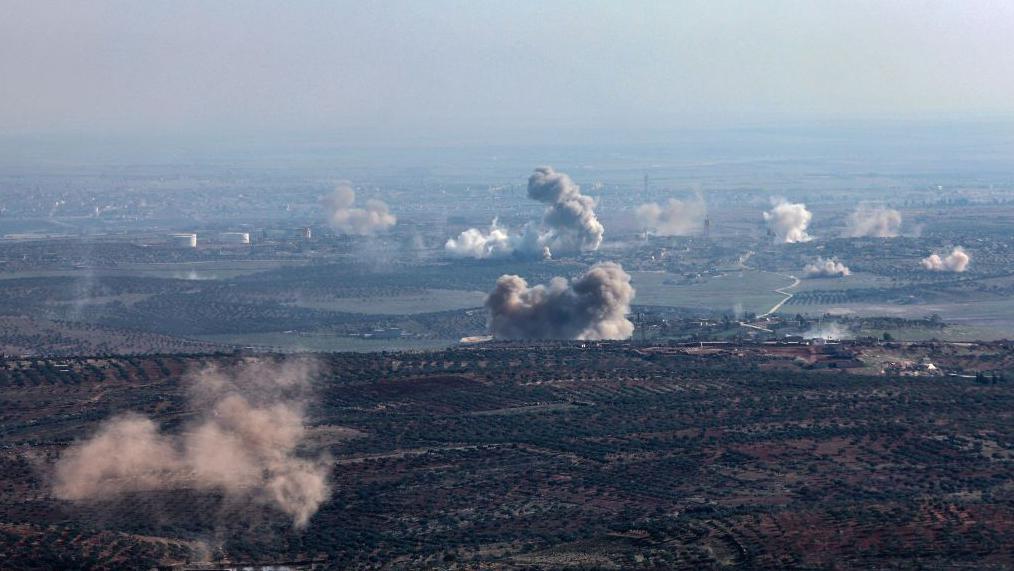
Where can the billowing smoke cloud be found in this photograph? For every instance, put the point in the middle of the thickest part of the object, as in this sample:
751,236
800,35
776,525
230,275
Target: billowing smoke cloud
874,222
593,306
788,222
825,268
243,443
675,218
347,219
569,224
570,217
498,243
956,261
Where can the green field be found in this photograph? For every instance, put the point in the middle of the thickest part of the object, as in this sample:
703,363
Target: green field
752,290
427,301
854,281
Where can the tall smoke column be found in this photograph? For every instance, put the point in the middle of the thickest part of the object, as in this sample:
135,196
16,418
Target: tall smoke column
874,222
243,443
956,261
675,218
342,216
570,217
788,222
568,225
822,267
498,242
593,306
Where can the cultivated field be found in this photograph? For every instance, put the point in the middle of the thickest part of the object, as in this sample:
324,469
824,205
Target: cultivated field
561,455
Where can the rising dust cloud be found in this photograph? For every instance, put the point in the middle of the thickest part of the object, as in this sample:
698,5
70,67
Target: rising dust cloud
956,261
874,222
243,443
344,217
825,268
674,218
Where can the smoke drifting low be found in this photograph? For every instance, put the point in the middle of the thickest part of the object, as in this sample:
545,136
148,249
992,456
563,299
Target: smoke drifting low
345,218
825,268
569,224
788,222
874,222
675,218
243,444
498,242
956,261
593,306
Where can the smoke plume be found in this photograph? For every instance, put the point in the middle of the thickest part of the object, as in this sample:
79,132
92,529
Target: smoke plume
243,443
344,218
593,306
569,224
829,332
788,222
570,217
498,242
675,218
825,268
874,222
956,261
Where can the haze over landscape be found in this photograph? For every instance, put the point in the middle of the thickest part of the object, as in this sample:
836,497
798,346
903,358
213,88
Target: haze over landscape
460,285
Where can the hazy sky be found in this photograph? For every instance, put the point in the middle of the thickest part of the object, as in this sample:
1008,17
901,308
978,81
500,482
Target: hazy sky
446,67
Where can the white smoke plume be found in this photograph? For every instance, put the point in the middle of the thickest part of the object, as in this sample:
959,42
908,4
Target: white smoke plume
569,224
874,222
243,443
675,218
593,306
498,242
788,222
345,218
825,268
956,261
570,218
828,331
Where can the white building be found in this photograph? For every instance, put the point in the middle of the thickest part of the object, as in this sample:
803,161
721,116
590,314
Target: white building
183,240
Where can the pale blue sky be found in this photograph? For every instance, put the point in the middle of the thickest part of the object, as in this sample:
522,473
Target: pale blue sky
466,67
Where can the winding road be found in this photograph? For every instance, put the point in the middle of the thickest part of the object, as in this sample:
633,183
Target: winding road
782,291
795,282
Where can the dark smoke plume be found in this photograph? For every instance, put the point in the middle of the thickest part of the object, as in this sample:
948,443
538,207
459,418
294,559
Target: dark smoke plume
570,217
569,224
593,306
